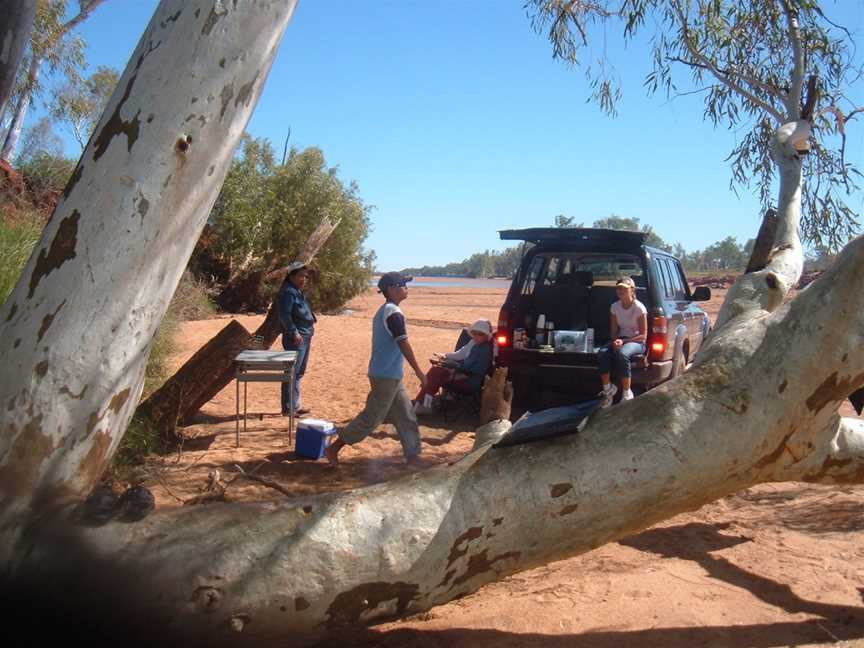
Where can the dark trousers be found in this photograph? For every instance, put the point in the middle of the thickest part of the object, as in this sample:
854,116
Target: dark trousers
299,369
619,359
437,377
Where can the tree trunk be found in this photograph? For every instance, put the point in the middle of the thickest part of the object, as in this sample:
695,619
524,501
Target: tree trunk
16,24
192,385
10,144
76,330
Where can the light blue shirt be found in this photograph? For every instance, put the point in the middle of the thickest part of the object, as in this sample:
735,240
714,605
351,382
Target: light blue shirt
388,329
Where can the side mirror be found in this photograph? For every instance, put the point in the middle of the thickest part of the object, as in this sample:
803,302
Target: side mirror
702,293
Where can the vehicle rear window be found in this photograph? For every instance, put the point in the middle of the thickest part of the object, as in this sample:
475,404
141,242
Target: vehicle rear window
551,270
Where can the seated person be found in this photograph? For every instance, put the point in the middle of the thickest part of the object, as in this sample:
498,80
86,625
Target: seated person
628,323
463,370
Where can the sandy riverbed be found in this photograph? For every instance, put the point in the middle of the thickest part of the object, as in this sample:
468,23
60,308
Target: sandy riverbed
776,565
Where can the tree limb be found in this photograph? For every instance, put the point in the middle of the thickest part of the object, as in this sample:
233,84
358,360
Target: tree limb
724,79
793,101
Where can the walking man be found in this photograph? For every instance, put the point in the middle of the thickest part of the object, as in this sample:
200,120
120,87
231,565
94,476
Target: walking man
387,399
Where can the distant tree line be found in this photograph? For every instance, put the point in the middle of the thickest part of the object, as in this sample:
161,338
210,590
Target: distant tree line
723,256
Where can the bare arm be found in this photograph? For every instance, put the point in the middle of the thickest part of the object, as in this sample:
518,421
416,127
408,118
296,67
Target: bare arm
408,352
613,326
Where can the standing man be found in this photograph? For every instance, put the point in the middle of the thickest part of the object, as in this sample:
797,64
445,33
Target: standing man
298,327
387,399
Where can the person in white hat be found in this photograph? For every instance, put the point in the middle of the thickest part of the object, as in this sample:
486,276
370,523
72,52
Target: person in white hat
298,327
463,369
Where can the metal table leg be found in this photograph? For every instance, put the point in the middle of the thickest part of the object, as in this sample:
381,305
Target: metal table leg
237,407
293,405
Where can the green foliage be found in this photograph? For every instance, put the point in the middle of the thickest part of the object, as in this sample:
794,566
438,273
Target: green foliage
725,255
44,172
632,224
79,102
751,61
266,212
16,243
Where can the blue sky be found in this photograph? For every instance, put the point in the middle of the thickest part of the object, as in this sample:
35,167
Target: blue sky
455,122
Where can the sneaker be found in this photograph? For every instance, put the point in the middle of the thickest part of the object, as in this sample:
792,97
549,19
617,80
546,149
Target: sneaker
607,395
627,395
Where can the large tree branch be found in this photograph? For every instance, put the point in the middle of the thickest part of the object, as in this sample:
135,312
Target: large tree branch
730,73
796,86
710,66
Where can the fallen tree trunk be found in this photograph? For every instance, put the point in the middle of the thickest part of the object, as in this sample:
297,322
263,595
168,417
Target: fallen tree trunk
193,384
203,376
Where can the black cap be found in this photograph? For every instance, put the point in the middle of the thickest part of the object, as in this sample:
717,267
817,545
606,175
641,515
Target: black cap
390,279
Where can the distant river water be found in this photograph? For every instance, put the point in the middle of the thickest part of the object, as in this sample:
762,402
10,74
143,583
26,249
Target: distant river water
453,282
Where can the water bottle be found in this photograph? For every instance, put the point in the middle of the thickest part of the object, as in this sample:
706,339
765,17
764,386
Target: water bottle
540,331
589,341
550,333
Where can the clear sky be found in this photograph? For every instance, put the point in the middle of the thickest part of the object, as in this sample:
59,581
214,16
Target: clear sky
455,122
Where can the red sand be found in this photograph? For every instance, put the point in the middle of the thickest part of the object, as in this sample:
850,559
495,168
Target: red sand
776,565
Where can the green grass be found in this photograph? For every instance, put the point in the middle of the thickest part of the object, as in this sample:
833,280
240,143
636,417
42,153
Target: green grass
16,245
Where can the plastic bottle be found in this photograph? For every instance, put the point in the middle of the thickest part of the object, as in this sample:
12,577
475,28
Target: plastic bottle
550,333
589,341
540,331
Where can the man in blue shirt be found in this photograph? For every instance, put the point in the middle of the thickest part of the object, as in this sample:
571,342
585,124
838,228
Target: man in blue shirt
298,327
387,398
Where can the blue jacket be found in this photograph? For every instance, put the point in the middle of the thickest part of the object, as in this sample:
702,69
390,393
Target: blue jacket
295,313
477,364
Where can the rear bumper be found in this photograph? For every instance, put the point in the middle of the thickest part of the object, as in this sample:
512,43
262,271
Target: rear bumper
573,373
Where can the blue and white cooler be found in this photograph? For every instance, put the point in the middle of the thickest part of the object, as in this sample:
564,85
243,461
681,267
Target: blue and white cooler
313,436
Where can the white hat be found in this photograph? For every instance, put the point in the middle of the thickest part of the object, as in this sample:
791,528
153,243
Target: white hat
296,265
481,326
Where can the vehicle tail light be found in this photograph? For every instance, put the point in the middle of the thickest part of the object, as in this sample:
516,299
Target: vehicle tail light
657,337
504,334
504,319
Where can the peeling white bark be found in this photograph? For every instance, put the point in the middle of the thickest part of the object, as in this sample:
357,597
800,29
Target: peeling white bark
16,23
76,331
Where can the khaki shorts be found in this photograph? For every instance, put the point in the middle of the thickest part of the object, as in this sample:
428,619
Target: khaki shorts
387,402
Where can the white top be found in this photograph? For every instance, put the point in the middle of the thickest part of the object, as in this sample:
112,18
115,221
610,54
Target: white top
462,352
628,318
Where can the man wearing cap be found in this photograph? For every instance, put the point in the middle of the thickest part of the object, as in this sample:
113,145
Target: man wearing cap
387,399
298,327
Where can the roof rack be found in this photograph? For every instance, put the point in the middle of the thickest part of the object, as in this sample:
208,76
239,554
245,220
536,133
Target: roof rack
572,234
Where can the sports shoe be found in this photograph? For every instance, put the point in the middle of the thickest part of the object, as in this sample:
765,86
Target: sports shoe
627,395
607,395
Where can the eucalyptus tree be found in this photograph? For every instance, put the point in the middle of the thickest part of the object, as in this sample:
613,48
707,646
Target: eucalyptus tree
16,24
51,42
760,402
79,103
